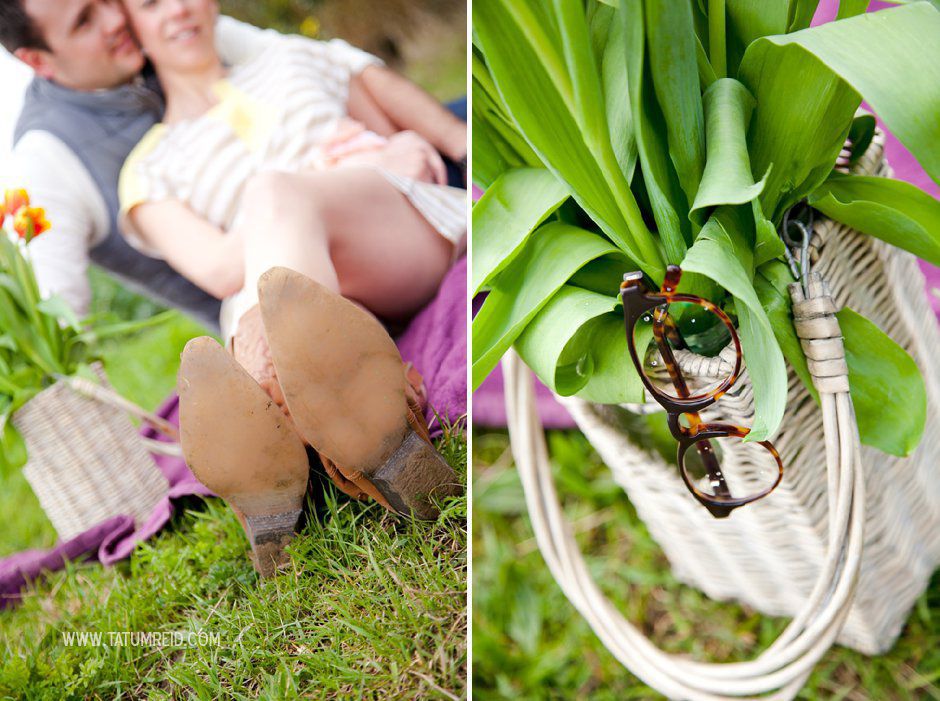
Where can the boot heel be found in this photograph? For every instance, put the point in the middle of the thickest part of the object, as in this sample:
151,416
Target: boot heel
413,476
269,535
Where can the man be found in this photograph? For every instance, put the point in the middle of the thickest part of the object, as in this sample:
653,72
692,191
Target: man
94,97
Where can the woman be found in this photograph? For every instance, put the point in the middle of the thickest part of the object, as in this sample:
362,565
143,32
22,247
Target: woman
260,168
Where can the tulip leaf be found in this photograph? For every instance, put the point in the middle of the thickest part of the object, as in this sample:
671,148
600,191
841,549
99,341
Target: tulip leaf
801,14
802,117
498,145
59,309
12,446
727,178
891,210
549,258
886,387
674,69
713,255
509,211
666,197
873,54
850,8
617,98
577,345
771,284
861,133
749,20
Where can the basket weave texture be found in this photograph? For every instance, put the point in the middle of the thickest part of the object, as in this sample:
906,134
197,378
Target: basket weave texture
768,554
87,462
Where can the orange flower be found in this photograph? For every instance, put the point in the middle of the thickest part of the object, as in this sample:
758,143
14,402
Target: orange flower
30,222
13,200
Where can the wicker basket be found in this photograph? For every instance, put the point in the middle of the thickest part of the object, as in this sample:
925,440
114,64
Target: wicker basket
768,554
87,461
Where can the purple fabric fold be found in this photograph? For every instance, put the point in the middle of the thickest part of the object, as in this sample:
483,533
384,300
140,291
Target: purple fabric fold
435,341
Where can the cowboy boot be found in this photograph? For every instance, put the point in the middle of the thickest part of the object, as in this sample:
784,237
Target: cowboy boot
358,486
250,349
341,376
240,445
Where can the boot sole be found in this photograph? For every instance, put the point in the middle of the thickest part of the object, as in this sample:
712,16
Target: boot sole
344,384
239,444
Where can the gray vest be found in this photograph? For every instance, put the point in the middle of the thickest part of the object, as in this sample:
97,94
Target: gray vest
102,128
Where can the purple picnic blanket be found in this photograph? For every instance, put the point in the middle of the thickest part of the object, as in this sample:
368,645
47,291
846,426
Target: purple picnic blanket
489,409
435,341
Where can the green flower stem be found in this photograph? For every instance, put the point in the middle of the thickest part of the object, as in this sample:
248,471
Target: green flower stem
716,38
44,335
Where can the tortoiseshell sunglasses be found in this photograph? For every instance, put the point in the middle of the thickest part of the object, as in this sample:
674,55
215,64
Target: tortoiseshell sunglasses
757,468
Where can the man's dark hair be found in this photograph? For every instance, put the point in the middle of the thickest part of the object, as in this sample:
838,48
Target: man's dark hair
17,29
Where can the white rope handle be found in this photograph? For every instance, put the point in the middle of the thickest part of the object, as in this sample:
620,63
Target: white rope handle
781,670
108,396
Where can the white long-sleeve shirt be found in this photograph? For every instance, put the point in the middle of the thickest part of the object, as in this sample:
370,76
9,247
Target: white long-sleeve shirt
60,183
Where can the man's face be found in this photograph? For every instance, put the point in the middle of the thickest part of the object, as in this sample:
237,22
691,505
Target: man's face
90,44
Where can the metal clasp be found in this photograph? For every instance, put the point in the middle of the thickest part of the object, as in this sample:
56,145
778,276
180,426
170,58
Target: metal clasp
796,231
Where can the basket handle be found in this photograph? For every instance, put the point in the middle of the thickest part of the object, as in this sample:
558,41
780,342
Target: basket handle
781,670
111,398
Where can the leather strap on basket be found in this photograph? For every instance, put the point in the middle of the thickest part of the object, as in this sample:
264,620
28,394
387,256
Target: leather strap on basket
781,670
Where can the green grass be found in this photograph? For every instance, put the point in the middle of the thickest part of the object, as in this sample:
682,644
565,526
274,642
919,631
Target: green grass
375,605
530,643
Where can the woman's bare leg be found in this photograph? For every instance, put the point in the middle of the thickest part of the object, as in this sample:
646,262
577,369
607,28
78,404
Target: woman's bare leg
354,233
350,230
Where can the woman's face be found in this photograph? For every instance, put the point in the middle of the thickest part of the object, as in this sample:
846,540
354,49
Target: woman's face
175,34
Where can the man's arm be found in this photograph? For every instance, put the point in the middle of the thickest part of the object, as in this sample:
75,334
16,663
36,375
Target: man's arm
382,100
58,182
239,42
408,107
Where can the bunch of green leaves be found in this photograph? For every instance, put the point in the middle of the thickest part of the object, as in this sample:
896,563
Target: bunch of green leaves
621,135
40,340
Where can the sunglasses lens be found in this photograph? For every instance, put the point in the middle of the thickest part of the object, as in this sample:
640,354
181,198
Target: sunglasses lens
726,469
665,338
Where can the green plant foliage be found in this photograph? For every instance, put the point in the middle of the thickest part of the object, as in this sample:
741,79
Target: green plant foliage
40,340
886,384
549,259
666,198
509,211
713,256
891,210
674,69
529,62
683,132
727,178
874,54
